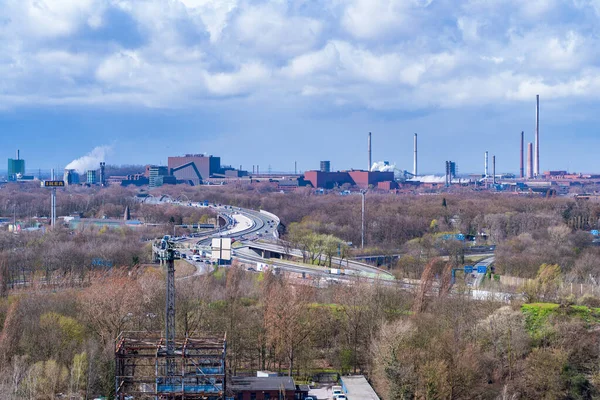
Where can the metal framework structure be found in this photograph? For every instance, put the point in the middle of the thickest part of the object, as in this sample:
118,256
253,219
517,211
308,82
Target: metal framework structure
163,367
143,368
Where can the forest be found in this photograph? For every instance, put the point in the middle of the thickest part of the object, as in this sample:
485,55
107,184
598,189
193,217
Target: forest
58,334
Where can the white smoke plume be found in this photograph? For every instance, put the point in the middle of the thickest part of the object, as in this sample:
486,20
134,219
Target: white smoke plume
90,161
381,166
429,179
436,179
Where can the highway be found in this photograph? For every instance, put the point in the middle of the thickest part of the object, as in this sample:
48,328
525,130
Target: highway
336,261
487,262
249,226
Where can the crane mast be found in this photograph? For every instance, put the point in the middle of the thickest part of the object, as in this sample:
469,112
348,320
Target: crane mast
167,254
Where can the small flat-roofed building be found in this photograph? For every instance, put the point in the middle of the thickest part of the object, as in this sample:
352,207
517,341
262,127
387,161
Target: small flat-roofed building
357,387
263,388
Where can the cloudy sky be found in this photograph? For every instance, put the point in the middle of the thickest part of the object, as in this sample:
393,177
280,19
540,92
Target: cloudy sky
270,82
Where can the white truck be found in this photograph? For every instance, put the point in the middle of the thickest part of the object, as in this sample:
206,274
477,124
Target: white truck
262,267
336,271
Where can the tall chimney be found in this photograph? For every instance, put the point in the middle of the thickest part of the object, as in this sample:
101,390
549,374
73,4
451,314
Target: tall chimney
18,154
494,169
485,165
522,170
415,159
369,151
102,174
536,171
529,160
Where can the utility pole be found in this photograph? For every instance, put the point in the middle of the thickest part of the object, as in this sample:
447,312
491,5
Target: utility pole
362,231
53,204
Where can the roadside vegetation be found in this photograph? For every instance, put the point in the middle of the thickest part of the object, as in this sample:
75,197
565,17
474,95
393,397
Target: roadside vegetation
61,308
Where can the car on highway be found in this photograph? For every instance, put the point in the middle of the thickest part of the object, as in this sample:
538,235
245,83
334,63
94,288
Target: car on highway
196,258
340,397
183,255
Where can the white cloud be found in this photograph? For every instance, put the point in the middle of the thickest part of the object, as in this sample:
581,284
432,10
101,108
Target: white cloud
324,60
268,29
214,14
44,19
249,76
370,19
381,54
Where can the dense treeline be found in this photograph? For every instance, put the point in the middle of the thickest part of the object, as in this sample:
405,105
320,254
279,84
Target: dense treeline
528,231
58,338
457,348
62,257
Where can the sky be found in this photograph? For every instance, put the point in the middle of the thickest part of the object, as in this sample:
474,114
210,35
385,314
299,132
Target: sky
273,82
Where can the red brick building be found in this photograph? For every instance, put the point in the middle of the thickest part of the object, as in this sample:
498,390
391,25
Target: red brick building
362,179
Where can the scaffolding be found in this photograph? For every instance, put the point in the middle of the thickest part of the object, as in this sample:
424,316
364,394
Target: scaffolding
156,366
143,367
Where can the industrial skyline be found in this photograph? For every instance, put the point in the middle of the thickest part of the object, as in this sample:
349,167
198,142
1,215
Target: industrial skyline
432,165
266,77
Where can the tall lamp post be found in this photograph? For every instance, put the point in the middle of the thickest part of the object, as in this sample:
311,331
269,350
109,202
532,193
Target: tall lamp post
363,192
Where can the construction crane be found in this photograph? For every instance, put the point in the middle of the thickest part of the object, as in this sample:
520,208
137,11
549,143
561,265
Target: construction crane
166,253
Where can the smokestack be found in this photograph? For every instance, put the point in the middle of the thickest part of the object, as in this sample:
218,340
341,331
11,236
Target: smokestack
529,160
18,154
536,171
485,165
369,151
415,159
522,170
494,168
102,174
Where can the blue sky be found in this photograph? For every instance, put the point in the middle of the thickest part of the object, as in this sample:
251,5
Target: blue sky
272,82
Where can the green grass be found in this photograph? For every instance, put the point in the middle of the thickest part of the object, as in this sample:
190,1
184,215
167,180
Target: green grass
220,273
537,316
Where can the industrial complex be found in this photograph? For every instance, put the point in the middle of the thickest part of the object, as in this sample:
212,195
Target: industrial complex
202,169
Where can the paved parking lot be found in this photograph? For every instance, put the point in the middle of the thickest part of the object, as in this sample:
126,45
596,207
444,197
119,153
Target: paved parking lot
322,393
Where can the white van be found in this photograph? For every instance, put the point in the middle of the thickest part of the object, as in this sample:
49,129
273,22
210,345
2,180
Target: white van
196,257
337,391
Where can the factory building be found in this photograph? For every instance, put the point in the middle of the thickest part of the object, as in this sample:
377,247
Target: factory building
91,177
71,177
126,180
194,167
16,167
156,174
360,178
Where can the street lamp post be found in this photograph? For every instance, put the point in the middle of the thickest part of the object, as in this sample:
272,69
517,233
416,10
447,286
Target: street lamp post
362,231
